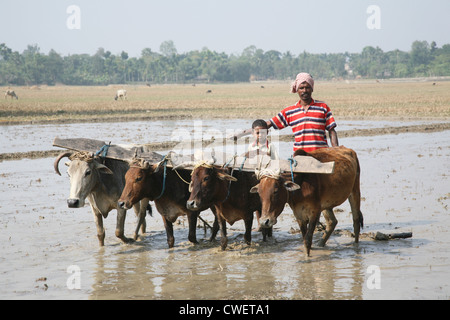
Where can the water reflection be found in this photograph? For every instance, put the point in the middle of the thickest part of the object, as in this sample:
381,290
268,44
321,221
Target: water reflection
272,270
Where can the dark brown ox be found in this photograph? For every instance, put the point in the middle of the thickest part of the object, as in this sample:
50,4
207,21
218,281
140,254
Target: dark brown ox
214,186
144,180
310,194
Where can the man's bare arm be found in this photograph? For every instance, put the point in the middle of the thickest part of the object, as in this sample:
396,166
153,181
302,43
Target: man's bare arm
334,138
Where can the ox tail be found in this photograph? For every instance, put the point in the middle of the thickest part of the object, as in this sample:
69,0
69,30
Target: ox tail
361,219
149,210
357,190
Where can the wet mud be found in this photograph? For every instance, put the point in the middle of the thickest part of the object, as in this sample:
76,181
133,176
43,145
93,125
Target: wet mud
47,247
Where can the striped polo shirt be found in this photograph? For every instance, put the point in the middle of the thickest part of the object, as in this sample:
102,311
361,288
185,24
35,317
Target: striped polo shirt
308,127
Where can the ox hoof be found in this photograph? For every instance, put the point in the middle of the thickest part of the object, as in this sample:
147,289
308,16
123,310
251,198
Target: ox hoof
127,240
223,244
171,243
101,239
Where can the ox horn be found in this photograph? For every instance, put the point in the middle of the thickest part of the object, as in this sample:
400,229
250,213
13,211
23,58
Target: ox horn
211,161
62,155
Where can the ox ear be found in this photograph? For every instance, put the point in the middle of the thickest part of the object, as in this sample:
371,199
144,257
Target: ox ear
254,189
103,169
291,186
224,176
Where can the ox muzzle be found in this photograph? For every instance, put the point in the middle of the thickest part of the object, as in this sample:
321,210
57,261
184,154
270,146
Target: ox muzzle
124,204
75,203
267,222
192,205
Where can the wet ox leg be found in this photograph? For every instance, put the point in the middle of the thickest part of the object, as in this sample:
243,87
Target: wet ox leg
120,226
307,239
140,209
215,227
248,230
331,224
169,231
192,218
307,221
214,230
223,232
100,230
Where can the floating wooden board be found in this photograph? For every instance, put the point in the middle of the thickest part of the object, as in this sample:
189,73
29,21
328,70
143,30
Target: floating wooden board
118,152
305,164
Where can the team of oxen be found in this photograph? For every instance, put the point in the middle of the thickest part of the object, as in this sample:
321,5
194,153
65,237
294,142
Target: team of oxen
232,195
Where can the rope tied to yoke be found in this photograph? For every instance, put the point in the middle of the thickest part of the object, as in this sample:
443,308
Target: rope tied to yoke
269,173
292,163
82,156
202,163
266,171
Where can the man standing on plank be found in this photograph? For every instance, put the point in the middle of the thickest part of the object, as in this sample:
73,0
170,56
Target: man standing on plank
308,118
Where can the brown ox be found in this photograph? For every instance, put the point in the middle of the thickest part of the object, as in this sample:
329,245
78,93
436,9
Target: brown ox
214,186
309,194
143,180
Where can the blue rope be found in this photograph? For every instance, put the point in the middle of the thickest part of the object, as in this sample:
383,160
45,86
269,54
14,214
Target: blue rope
292,163
103,150
226,164
242,164
164,180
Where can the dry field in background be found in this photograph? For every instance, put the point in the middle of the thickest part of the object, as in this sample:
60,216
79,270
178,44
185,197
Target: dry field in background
357,100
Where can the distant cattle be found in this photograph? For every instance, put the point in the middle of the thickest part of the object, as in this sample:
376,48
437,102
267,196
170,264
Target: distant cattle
229,194
310,193
101,183
11,93
167,189
122,94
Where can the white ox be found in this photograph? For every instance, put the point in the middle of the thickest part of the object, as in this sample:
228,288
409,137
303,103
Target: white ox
122,94
102,185
12,94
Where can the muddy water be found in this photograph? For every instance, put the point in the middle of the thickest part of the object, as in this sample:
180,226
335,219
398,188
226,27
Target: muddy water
24,138
405,187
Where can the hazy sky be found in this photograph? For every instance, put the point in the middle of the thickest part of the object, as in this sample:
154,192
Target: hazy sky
316,26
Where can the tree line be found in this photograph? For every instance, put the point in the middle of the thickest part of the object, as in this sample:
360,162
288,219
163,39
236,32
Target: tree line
32,67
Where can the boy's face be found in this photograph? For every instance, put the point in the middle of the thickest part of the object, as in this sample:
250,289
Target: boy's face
260,134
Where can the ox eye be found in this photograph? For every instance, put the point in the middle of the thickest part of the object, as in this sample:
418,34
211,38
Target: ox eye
88,172
275,191
206,179
138,179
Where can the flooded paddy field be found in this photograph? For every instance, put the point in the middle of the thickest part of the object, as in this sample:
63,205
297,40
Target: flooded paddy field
50,251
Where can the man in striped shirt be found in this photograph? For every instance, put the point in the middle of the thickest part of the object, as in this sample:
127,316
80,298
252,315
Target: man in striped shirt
308,118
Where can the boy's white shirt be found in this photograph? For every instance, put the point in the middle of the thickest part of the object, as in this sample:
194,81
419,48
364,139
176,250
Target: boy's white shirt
267,148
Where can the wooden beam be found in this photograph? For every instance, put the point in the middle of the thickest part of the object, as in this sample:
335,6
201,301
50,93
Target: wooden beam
118,152
305,164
